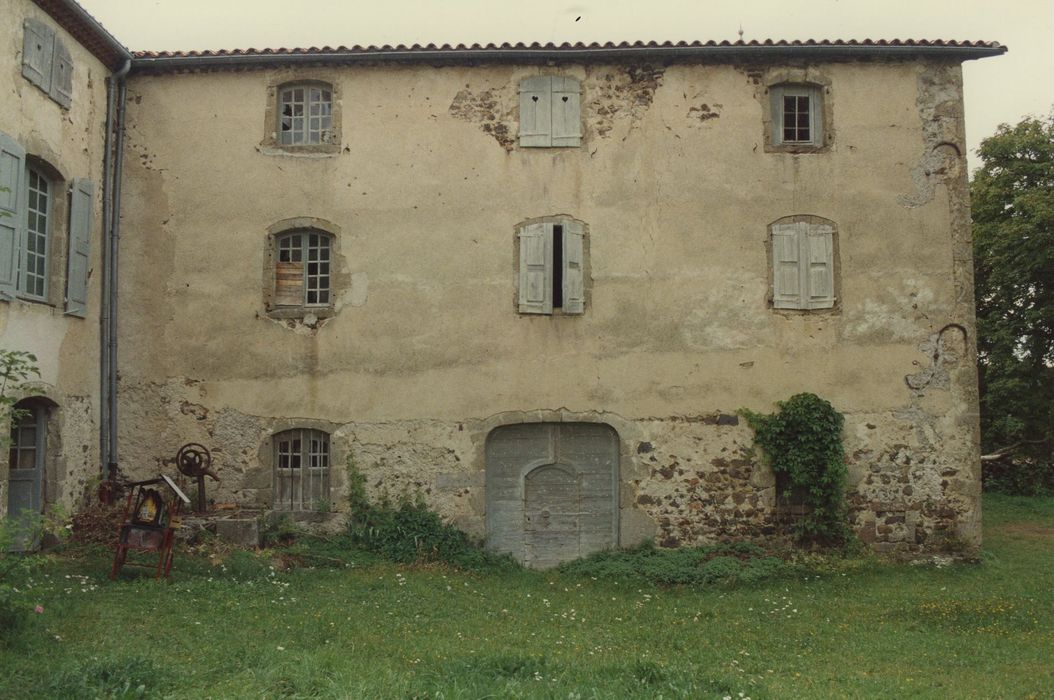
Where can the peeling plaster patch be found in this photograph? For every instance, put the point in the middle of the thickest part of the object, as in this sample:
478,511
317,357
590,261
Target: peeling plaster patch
939,103
943,349
704,112
625,94
484,109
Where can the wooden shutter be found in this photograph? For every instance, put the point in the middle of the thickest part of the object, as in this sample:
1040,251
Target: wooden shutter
81,201
38,47
62,75
536,111
567,119
12,172
536,269
573,273
819,256
787,282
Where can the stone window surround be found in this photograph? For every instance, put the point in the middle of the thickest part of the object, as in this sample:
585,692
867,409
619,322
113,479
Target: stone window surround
338,277
806,77
41,159
302,76
338,456
836,272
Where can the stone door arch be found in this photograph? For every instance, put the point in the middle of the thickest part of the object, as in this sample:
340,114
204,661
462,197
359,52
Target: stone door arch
552,491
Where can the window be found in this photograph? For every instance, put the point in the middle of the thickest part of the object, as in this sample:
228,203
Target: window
302,269
551,267
803,263
305,115
301,469
797,114
46,62
550,112
33,269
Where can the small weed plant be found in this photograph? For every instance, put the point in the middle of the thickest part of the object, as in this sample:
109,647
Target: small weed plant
407,531
802,441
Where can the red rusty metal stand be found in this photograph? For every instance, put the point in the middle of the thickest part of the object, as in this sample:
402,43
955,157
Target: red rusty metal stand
149,526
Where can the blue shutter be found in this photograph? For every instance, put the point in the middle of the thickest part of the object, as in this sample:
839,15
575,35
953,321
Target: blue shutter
12,172
38,48
536,111
80,247
62,75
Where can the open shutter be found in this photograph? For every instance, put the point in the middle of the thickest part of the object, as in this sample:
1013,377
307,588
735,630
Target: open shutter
81,201
787,281
12,169
62,75
536,269
567,119
574,288
819,242
536,111
38,47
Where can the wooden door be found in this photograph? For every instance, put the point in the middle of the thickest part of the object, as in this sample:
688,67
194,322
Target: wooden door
25,480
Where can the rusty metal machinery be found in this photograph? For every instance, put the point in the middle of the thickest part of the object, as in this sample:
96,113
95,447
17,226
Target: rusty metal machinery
195,460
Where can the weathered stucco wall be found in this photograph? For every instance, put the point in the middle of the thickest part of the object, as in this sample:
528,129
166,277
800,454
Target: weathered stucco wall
69,144
426,352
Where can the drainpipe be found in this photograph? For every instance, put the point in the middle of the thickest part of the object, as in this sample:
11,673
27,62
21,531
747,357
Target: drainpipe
113,160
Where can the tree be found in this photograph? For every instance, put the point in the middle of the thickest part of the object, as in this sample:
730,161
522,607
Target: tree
1013,229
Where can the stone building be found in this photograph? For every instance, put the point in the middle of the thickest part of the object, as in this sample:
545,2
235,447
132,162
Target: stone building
533,283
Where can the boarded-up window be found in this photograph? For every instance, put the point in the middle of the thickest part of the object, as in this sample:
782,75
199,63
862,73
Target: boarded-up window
305,115
550,112
302,272
301,470
803,274
551,267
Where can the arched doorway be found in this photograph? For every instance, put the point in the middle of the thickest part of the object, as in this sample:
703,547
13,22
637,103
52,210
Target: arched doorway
552,491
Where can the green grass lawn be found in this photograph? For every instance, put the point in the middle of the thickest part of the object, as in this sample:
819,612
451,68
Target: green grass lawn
849,629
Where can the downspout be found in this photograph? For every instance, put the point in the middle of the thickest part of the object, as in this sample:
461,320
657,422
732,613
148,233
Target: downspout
113,159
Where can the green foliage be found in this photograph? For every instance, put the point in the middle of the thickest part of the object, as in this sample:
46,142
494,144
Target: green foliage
16,366
1013,231
727,564
407,531
803,443
120,678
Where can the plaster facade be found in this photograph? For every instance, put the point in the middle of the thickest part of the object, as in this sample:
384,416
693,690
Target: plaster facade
66,144
423,352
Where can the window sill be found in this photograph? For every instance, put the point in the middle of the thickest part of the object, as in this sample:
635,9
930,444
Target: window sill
797,148
319,312
321,150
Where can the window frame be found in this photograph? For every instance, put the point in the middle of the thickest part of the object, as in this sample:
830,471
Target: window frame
306,78
324,104
301,252
29,233
797,82
300,447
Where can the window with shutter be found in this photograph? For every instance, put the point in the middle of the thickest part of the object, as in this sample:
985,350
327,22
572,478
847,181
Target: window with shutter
12,172
797,115
38,50
551,266
81,200
550,112
803,269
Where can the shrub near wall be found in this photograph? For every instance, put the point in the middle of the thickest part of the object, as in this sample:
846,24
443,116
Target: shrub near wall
803,442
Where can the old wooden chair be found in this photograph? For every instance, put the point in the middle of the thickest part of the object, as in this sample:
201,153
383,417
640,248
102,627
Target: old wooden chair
150,525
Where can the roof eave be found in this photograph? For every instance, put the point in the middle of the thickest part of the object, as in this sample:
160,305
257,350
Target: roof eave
87,31
963,53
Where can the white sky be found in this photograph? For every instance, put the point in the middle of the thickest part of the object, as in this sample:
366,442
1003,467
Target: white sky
998,90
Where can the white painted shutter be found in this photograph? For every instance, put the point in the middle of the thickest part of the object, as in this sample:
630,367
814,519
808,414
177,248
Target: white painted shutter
567,120
536,127
12,169
80,247
574,288
536,269
38,47
62,75
787,282
819,254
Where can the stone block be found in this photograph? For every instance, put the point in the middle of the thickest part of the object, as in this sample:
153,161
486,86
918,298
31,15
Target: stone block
244,532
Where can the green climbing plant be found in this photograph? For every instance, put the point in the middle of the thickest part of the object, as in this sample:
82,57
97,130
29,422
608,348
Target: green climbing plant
802,441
